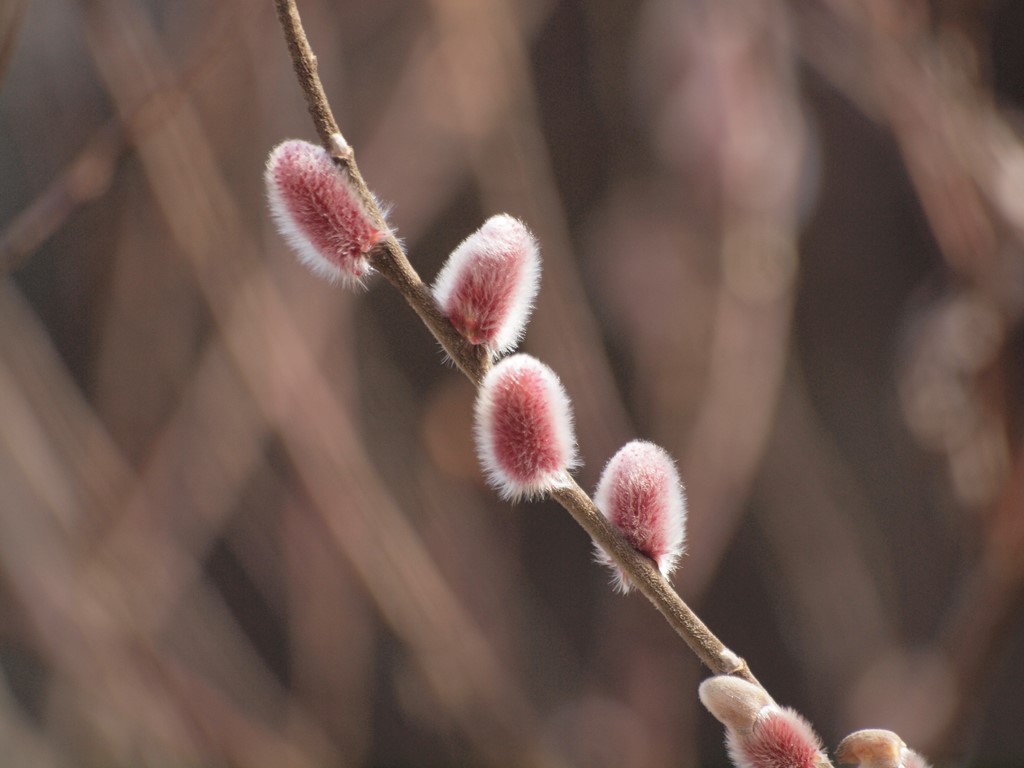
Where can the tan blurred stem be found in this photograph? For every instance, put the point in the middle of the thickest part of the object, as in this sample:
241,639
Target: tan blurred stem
980,621
391,261
11,16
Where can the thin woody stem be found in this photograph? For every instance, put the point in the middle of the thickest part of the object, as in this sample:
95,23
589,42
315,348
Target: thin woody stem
646,577
306,70
389,259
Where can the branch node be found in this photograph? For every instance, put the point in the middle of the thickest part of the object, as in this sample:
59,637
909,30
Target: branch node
339,148
731,663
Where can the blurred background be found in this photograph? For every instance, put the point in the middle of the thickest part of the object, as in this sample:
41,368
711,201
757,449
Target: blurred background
241,522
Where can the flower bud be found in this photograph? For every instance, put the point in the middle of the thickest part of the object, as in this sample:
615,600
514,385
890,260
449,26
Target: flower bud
319,212
487,286
876,748
734,702
524,432
641,494
759,733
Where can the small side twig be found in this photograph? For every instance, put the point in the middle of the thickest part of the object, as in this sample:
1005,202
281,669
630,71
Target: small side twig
390,260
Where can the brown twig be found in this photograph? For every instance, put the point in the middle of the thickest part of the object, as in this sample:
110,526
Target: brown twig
655,587
391,261
306,70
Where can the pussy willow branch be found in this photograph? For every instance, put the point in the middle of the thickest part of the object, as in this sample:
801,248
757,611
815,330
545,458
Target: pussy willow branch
389,259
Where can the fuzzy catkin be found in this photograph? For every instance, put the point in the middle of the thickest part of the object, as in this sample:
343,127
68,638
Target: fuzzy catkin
641,494
524,431
489,282
319,212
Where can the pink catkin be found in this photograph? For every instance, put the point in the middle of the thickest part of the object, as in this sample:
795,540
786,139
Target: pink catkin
759,733
779,738
641,494
318,211
524,431
488,285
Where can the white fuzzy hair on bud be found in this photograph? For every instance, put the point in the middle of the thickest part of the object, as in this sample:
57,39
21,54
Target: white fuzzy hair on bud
641,494
524,432
319,212
488,285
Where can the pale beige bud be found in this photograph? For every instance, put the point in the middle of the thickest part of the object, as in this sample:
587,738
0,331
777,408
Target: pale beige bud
877,748
734,702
